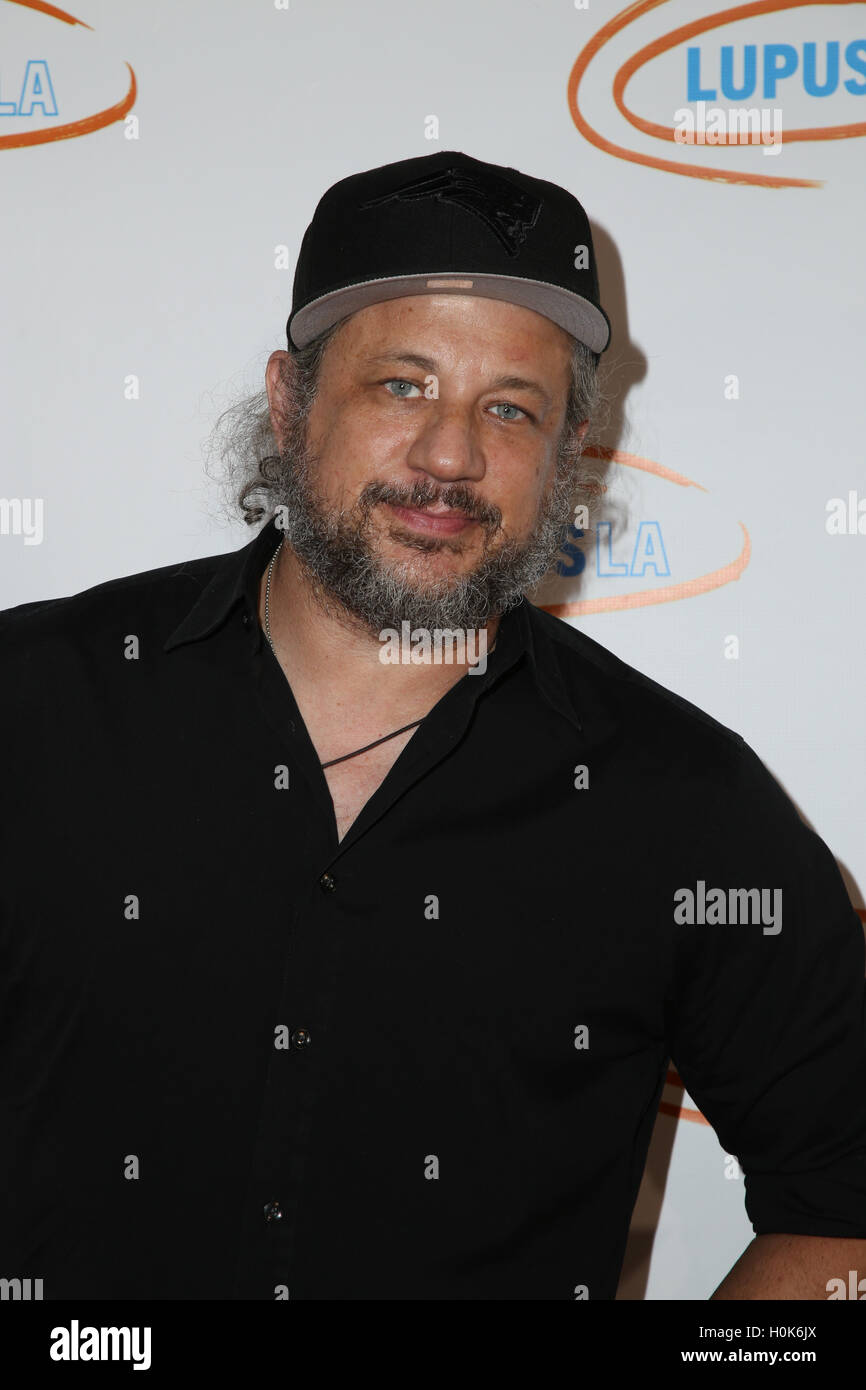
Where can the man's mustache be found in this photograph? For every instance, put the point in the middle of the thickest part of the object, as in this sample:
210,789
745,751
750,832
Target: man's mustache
423,495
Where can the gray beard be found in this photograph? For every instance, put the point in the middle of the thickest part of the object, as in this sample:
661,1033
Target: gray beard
349,579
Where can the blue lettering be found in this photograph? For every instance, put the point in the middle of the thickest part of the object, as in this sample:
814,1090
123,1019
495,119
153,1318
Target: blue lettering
858,63
750,72
810,81
780,60
696,91
649,550
574,555
8,108
606,567
36,89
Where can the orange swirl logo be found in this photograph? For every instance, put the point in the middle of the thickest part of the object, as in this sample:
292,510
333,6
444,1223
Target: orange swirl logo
45,85
682,35
667,593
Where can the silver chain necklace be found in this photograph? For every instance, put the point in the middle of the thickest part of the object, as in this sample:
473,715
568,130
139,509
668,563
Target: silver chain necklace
268,595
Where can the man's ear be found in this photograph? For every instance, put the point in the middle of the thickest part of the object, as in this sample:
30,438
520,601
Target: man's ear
279,381
582,429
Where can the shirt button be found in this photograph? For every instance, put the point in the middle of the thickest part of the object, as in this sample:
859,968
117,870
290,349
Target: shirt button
300,1038
327,883
273,1211
247,620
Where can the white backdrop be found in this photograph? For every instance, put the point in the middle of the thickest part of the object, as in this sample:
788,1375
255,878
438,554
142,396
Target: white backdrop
147,265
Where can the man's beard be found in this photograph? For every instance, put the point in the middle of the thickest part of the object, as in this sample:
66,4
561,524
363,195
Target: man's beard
348,577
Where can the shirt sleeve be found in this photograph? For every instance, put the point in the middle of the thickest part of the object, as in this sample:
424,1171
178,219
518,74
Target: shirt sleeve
767,1020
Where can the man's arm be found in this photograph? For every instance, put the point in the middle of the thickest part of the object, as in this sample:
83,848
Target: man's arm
765,1022
783,1266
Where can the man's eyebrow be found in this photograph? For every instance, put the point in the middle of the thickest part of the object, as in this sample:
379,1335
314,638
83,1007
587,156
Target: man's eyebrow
426,364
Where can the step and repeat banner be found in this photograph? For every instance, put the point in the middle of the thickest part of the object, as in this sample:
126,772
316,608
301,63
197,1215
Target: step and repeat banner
160,162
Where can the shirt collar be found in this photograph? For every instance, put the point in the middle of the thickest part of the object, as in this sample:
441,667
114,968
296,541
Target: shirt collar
236,580
522,631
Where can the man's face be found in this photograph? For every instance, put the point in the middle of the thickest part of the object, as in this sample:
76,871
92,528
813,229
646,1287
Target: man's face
425,486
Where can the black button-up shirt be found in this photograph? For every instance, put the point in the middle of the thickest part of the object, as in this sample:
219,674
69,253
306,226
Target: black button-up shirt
242,1059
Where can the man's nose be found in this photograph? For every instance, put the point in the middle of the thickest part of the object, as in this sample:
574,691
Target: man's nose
447,446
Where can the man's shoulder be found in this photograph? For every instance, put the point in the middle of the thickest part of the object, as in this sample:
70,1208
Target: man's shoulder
162,596
592,671
712,768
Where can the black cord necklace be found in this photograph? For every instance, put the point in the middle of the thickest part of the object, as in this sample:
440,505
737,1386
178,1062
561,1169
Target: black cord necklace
367,746
374,743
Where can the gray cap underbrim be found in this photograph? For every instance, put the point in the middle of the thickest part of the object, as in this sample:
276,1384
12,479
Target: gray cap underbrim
571,311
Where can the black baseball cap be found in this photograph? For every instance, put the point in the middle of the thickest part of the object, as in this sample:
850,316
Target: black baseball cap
441,223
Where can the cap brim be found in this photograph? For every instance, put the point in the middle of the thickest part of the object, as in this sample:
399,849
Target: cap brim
582,319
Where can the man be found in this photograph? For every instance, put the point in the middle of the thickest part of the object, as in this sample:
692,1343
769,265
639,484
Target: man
336,976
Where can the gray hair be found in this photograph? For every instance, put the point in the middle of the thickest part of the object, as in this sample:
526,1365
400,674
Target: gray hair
244,442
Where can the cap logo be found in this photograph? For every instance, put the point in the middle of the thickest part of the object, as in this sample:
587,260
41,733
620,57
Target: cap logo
508,210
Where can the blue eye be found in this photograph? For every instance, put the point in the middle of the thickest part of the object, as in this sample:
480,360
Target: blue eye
508,406
399,381
403,395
